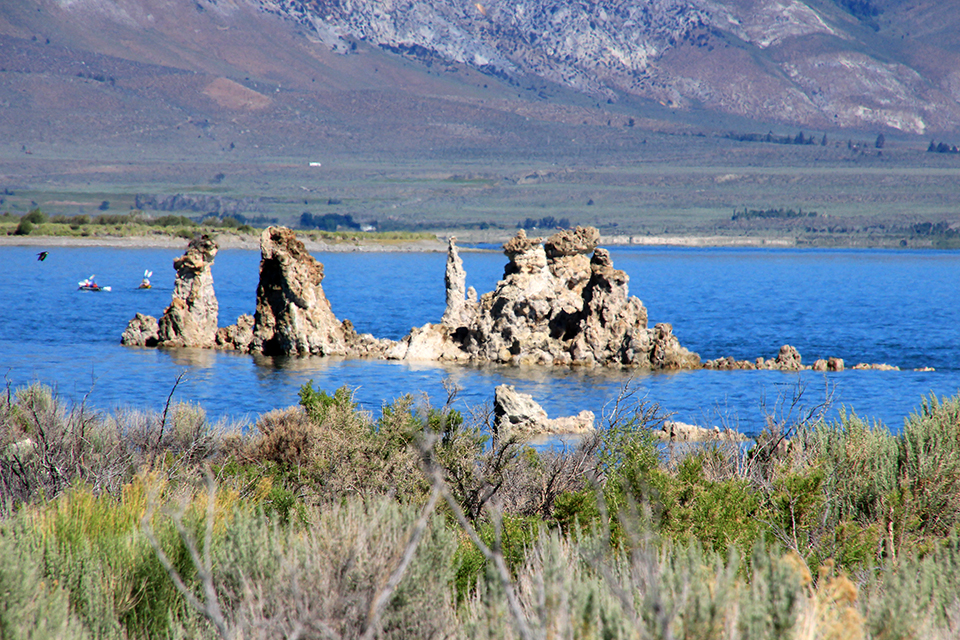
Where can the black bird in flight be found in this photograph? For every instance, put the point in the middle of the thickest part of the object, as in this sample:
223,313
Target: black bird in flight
42,255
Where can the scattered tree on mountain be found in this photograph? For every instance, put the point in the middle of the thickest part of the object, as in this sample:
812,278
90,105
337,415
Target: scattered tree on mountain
800,138
859,8
781,213
942,147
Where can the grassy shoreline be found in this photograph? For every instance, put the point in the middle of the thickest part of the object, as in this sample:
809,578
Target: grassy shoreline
773,228
228,240
416,524
430,243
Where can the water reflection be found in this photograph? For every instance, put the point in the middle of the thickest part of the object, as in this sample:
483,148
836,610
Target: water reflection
267,365
192,357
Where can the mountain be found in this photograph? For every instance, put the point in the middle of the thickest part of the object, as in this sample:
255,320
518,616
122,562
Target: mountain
211,73
821,64
648,114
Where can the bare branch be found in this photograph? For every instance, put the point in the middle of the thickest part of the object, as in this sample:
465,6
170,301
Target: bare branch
493,556
386,592
166,407
210,606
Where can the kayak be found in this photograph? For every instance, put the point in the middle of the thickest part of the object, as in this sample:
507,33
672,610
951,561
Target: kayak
90,285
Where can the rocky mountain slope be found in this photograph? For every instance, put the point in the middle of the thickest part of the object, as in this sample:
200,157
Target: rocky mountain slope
815,63
240,76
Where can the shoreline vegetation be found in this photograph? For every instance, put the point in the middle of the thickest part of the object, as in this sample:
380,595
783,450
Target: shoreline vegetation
433,243
321,520
136,231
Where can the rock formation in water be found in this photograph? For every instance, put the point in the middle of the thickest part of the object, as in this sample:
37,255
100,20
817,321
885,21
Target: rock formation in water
142,331
293,315
191,318
554,305
789,359
673,431
517,415
828,364
461,302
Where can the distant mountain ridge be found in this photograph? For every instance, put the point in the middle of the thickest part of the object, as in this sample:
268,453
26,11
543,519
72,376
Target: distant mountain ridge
815,63
223,78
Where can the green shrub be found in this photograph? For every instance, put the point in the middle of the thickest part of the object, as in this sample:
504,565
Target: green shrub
25,228
93,548
173,221
916,597
629,458
717,515
273,578
49,446
513,538
622,537
107,219
35,216
31,606
769,604
903,490
930,467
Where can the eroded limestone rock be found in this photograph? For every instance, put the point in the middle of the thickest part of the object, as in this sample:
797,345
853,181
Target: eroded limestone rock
877,366
142,331
461,304
829,364
237,336
555,305
293,315
788,359
673,431
518,415
191,318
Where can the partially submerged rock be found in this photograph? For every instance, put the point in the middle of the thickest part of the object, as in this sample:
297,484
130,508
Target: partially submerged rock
461,302
829,364
788,359
878,367
191,318
672,431
517,415
142,331
555,305
293,314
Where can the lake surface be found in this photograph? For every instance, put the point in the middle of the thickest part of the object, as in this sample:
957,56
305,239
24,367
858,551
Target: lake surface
896,307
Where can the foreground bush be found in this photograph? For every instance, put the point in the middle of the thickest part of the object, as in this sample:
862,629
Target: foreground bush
323,521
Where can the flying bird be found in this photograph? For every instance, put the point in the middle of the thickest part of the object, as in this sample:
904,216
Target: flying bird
42,255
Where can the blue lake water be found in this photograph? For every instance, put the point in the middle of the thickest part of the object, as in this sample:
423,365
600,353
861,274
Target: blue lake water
897,307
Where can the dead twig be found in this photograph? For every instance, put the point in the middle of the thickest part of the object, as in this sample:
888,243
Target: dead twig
493,555
386,591
209,607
